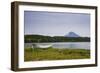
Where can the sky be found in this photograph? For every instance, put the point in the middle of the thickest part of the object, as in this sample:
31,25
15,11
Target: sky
56,23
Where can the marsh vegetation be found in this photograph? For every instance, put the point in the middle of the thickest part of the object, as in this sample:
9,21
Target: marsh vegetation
38,54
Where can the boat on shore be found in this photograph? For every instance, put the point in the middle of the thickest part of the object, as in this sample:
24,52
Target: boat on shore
41,45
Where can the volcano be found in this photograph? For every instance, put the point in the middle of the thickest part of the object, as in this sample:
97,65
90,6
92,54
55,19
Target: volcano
72,34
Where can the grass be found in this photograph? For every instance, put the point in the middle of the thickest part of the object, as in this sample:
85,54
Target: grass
38,54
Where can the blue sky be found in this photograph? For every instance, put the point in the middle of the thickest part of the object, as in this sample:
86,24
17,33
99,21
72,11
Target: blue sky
56,23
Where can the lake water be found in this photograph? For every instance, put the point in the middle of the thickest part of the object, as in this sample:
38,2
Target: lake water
61,45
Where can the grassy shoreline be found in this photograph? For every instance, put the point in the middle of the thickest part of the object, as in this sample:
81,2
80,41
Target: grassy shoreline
39,54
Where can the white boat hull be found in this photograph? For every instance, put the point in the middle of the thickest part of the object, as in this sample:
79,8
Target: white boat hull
42,45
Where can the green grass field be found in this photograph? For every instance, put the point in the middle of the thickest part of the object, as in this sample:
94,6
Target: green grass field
39,54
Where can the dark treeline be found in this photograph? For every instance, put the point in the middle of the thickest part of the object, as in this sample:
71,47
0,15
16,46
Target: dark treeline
41,38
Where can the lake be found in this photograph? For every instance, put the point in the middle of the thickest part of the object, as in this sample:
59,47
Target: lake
61,45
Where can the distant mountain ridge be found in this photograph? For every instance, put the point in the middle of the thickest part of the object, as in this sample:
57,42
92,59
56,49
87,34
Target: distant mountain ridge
72,34
70,37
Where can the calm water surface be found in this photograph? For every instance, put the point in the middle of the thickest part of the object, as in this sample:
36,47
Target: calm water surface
62,45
